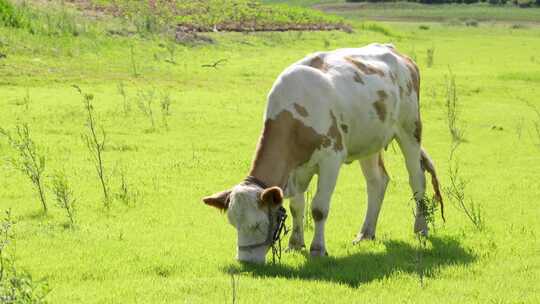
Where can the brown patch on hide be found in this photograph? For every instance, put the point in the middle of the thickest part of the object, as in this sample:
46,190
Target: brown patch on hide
393,77
414,72
401,92
333,132
418,131
300,110
409,87
285,143
380,106
415,77
358,78
317,214
319,64
366,69
327,142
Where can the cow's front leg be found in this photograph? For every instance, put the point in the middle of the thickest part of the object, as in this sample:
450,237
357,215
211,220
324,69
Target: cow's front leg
296,242
320,206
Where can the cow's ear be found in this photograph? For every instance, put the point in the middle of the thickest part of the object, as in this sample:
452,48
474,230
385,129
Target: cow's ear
272,196
219,200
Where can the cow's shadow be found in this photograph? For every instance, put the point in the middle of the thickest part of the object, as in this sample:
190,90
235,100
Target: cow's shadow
363,267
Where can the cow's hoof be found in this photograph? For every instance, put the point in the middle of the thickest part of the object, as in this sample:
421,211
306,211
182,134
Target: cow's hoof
318,251
295,244
363,237
315,253
422,232
420,226
295,248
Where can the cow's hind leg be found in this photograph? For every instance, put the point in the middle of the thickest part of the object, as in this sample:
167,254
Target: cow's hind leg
410,146
296,240
376,182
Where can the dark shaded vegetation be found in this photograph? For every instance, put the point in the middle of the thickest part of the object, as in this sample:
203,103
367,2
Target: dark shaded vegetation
54,21
364,267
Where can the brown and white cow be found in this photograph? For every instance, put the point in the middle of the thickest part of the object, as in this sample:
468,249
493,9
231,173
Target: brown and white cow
325,110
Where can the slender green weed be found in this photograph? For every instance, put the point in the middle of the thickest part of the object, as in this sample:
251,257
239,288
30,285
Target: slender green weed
29,159
456,192
126,194
430,56
95,142
165,105
234,286
64,196
455,125
126,106
134,71
145,103
536,122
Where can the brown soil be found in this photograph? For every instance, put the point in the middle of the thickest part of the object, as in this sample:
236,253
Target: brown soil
253,27
97,11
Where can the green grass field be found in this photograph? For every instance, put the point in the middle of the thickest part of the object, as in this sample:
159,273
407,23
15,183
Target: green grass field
165,246
409,11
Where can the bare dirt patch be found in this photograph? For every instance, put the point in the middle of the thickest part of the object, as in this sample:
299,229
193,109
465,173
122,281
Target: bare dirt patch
186,29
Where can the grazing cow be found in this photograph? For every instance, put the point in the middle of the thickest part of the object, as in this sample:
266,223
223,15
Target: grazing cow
325,110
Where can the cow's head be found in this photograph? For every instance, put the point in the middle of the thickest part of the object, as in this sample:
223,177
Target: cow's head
250,209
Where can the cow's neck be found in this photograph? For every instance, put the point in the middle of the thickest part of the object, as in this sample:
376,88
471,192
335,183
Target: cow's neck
285,144
271,162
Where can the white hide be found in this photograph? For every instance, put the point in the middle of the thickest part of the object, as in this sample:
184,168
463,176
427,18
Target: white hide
351,102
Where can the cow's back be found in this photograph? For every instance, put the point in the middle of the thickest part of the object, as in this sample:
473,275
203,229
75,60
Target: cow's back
376,94
371,91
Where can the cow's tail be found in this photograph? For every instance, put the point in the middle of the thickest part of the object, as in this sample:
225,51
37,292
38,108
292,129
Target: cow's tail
427,164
